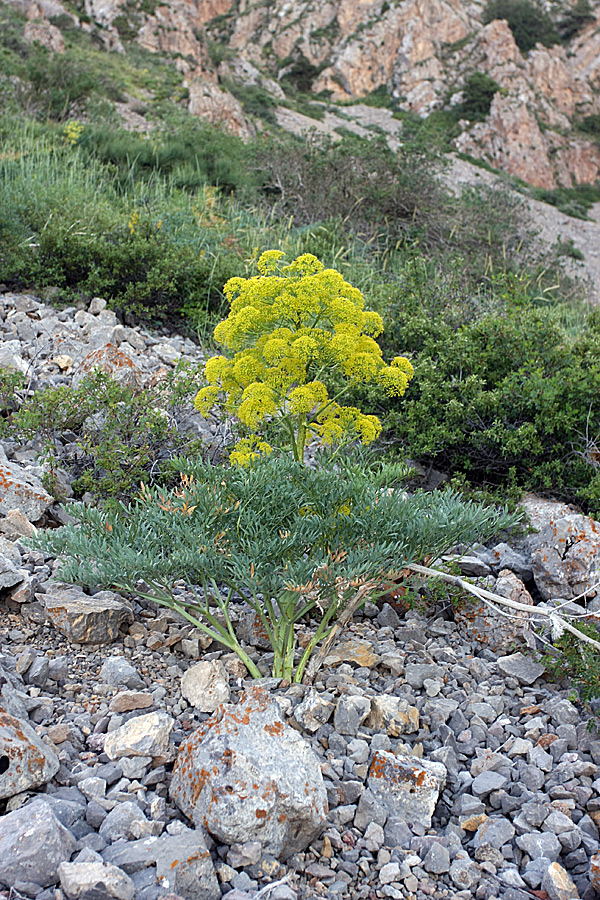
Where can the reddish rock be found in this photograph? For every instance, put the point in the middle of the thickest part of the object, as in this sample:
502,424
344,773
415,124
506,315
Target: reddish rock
25,762
21,492
112,361
406,787
492,628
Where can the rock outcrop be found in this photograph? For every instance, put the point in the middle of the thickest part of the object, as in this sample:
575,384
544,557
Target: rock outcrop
421,52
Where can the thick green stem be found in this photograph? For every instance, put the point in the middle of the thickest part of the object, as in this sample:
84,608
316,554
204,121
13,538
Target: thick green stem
320,633
162,597
301,438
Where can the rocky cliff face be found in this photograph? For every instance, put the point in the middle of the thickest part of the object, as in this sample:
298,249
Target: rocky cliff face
420,52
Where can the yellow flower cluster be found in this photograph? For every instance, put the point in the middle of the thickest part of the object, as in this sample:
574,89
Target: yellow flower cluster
72,131
288,327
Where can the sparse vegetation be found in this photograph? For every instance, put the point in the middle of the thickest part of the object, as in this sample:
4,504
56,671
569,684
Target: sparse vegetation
529,23
575,201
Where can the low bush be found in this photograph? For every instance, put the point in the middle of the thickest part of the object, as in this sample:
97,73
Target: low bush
575,19
478,93
191,156
575,201
504,392
108,437
153,252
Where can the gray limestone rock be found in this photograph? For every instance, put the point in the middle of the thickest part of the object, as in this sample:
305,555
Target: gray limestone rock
405,786
118,671
245,775
487,782
147,735
558,884
86,620
536,844
437,859
22,491
125,820
521,667
78,877
206,685
184,866
33,844
350,712
315,710
416,673
25,761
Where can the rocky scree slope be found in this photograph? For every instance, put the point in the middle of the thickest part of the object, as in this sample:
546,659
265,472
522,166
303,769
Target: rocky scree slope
419,52
431,758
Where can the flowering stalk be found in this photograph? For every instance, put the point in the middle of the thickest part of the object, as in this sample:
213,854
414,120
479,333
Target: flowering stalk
288,328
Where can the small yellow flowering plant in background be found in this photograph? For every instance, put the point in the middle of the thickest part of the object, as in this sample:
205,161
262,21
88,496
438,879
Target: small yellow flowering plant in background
72,132
290,329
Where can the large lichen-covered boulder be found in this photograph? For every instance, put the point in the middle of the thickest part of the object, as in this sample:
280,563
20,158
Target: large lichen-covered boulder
245,775
113,362
565,553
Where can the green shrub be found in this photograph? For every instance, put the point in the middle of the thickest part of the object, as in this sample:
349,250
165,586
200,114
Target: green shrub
529,23
575,19
68,224
288,539
255,100
591,124
502,391
478,94
118,435
575,201
191,155
299,75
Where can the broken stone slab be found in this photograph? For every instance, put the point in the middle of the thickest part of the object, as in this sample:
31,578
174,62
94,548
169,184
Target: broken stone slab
523,668
127,701
33,844
355,651
416,673
147,735
11,573
392,714
83,619
25,761
118,671
491,628
245,775
407,788
503,556
350,712
182,861
11,358
315,710
183,865
78,877
558,884
21,491
206,685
